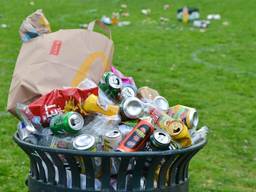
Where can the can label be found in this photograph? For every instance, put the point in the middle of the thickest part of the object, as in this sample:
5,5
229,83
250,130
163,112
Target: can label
137,138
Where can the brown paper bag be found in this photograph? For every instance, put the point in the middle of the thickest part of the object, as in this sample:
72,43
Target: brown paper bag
59,59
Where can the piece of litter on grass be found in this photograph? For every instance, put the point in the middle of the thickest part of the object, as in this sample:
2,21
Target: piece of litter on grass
123,6
166,6
225,23
123,23
201,23
213,17
106,20
4,26
125,14
32,3
83,26
202,30
164,19
146,11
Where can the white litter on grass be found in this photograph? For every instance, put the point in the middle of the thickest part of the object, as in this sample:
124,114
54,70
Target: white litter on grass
146,11
4,26
225,23
32,3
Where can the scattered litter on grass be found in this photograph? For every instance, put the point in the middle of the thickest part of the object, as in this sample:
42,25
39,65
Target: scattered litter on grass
146,11
202,30
125,14
213,17
83,26
225,23
201,23
32,3
164,19
123,23
166,6
187,14
124,6
4,26
106,20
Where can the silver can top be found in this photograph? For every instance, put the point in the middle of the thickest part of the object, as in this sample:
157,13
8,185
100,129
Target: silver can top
76,121
114,81
132,108
127,92
112,134
193,118
161,103
84,142
162,137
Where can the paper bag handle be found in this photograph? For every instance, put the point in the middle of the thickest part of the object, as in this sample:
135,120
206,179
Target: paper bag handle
101,25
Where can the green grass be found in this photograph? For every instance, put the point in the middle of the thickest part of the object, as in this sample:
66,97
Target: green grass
213,71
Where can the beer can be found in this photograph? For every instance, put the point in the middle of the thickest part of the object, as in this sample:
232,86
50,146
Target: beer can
188,115
70,122
147,94
112,139
161,103
25,135
127,91
132,108
125,129
137,138
112,80
85,142
160,140
111,85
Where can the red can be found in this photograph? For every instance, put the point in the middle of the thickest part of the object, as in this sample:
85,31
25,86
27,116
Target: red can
137,138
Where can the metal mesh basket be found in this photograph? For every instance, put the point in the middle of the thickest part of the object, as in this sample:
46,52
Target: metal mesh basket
76,171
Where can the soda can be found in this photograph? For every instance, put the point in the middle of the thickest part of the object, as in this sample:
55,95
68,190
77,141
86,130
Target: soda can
159,140
70,122
137,138
25,135
187,115
112,139
127,91
111,85
199,135
85,142
132,108
161,103
147,94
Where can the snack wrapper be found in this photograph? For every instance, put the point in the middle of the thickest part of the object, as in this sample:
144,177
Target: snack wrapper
58,101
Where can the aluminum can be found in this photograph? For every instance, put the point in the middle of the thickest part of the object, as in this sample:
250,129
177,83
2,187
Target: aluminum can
159,140
25,135
137,138
199,135
187,115
85,142
112,139
70,122
111,85
147,94
161,103
125,129
132,108
127,91
175,128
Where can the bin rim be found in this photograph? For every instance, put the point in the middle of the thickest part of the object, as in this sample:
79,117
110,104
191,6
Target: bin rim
106,153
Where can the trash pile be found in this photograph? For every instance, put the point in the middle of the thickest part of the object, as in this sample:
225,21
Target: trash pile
104,111
114,115
187,14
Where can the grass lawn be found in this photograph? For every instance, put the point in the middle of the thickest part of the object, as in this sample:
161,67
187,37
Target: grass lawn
213,71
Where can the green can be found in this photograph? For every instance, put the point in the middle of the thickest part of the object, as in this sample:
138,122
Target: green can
70,122
160,140
111,85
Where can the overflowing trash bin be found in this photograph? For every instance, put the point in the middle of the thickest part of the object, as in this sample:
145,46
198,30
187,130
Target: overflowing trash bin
98,131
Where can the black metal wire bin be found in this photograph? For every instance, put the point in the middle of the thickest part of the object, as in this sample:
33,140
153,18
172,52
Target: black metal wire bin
59,170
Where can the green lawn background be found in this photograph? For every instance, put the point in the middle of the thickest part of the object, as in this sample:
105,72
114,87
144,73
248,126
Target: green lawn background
213,71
